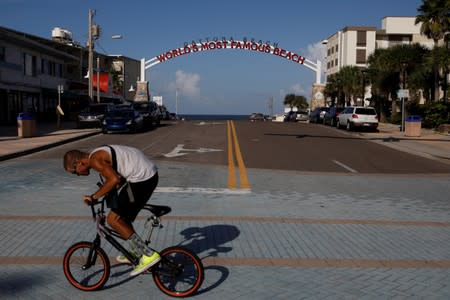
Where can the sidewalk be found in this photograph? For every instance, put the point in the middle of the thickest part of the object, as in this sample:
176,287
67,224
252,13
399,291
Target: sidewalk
430,144
47,136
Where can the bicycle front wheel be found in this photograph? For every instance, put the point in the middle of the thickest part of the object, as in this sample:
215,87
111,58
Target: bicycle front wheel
180,272
86,267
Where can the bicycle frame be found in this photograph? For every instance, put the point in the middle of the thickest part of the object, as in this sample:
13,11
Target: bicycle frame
108,233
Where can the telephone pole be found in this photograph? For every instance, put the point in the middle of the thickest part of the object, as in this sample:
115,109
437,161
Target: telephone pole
93,33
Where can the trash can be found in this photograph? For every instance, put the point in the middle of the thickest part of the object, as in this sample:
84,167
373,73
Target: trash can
26,125
413,126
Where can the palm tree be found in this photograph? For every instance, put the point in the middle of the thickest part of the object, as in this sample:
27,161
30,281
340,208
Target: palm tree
293,100
350,77
384,81
289,100
435,18
397,67
333,88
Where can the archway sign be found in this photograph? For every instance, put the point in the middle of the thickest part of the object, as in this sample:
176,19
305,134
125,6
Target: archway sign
218,44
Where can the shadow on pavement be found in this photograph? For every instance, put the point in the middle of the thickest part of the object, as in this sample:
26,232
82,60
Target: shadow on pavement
210,240
16,284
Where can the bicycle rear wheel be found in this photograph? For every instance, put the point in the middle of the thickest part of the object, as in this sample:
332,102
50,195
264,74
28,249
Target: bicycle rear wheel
180,272
86,267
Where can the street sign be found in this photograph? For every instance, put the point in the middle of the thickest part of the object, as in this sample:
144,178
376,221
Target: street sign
403,93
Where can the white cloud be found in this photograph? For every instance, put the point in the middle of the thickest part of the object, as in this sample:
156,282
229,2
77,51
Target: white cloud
316,52
297,89
187,84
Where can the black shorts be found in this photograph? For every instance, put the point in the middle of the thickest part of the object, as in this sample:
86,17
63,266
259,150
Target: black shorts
142,191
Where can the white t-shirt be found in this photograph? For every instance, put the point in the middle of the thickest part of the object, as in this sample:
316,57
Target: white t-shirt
131,163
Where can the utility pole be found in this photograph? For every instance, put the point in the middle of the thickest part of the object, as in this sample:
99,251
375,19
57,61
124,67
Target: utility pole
93,33
176,102
91,56
98,79
271,106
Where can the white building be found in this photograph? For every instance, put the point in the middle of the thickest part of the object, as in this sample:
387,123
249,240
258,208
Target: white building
352,45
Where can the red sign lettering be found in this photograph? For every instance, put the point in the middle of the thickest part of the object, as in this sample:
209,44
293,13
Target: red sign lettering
232,44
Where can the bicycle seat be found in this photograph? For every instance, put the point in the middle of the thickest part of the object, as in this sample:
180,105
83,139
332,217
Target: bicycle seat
158,210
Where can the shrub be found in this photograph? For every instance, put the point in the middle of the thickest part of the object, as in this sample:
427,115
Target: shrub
435,114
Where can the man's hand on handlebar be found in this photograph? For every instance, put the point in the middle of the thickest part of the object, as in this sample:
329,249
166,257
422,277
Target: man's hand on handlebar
88,199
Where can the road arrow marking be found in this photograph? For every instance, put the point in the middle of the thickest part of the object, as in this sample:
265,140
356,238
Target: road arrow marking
180,151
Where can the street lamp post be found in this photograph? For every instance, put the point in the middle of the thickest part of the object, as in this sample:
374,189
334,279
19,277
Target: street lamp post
404,66
58,108
446,75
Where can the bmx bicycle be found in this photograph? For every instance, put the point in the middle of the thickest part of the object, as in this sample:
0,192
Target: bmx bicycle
87,267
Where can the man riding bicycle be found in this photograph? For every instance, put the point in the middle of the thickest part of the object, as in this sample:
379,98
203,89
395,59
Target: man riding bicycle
132,177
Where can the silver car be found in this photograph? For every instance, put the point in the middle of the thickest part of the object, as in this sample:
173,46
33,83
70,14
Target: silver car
353,117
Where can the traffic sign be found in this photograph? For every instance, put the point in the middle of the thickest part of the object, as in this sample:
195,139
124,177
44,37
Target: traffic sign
403,93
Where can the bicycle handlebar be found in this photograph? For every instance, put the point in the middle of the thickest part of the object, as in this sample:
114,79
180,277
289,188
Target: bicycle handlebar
97,202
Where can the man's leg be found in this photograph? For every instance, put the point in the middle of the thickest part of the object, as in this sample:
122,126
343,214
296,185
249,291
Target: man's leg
148,257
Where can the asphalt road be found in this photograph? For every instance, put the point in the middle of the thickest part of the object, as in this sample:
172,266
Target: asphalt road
265,145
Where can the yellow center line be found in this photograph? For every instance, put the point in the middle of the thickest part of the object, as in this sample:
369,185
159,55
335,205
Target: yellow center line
231,171
232,139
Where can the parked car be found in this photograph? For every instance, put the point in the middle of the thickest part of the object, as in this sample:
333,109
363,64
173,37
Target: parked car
93,114
256,117
123,120
330,116
290,116
317,114
302,115
149,111
173,116
358,117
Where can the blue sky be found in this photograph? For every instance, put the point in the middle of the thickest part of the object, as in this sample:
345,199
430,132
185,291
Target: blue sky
226,81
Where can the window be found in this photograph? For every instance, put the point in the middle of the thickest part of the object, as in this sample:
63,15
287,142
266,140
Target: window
336,62
337,48
51,68
44,68
361,38
29,65
360,56
2,53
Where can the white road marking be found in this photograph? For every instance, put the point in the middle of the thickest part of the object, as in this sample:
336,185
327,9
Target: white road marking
195,190
178,151
200,190
210,123
345,166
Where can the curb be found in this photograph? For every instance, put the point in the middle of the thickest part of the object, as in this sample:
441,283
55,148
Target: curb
45,147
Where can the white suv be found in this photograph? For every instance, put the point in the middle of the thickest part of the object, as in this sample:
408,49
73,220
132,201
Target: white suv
358,117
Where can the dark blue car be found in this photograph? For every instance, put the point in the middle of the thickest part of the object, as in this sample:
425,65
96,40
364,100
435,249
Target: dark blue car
122,120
